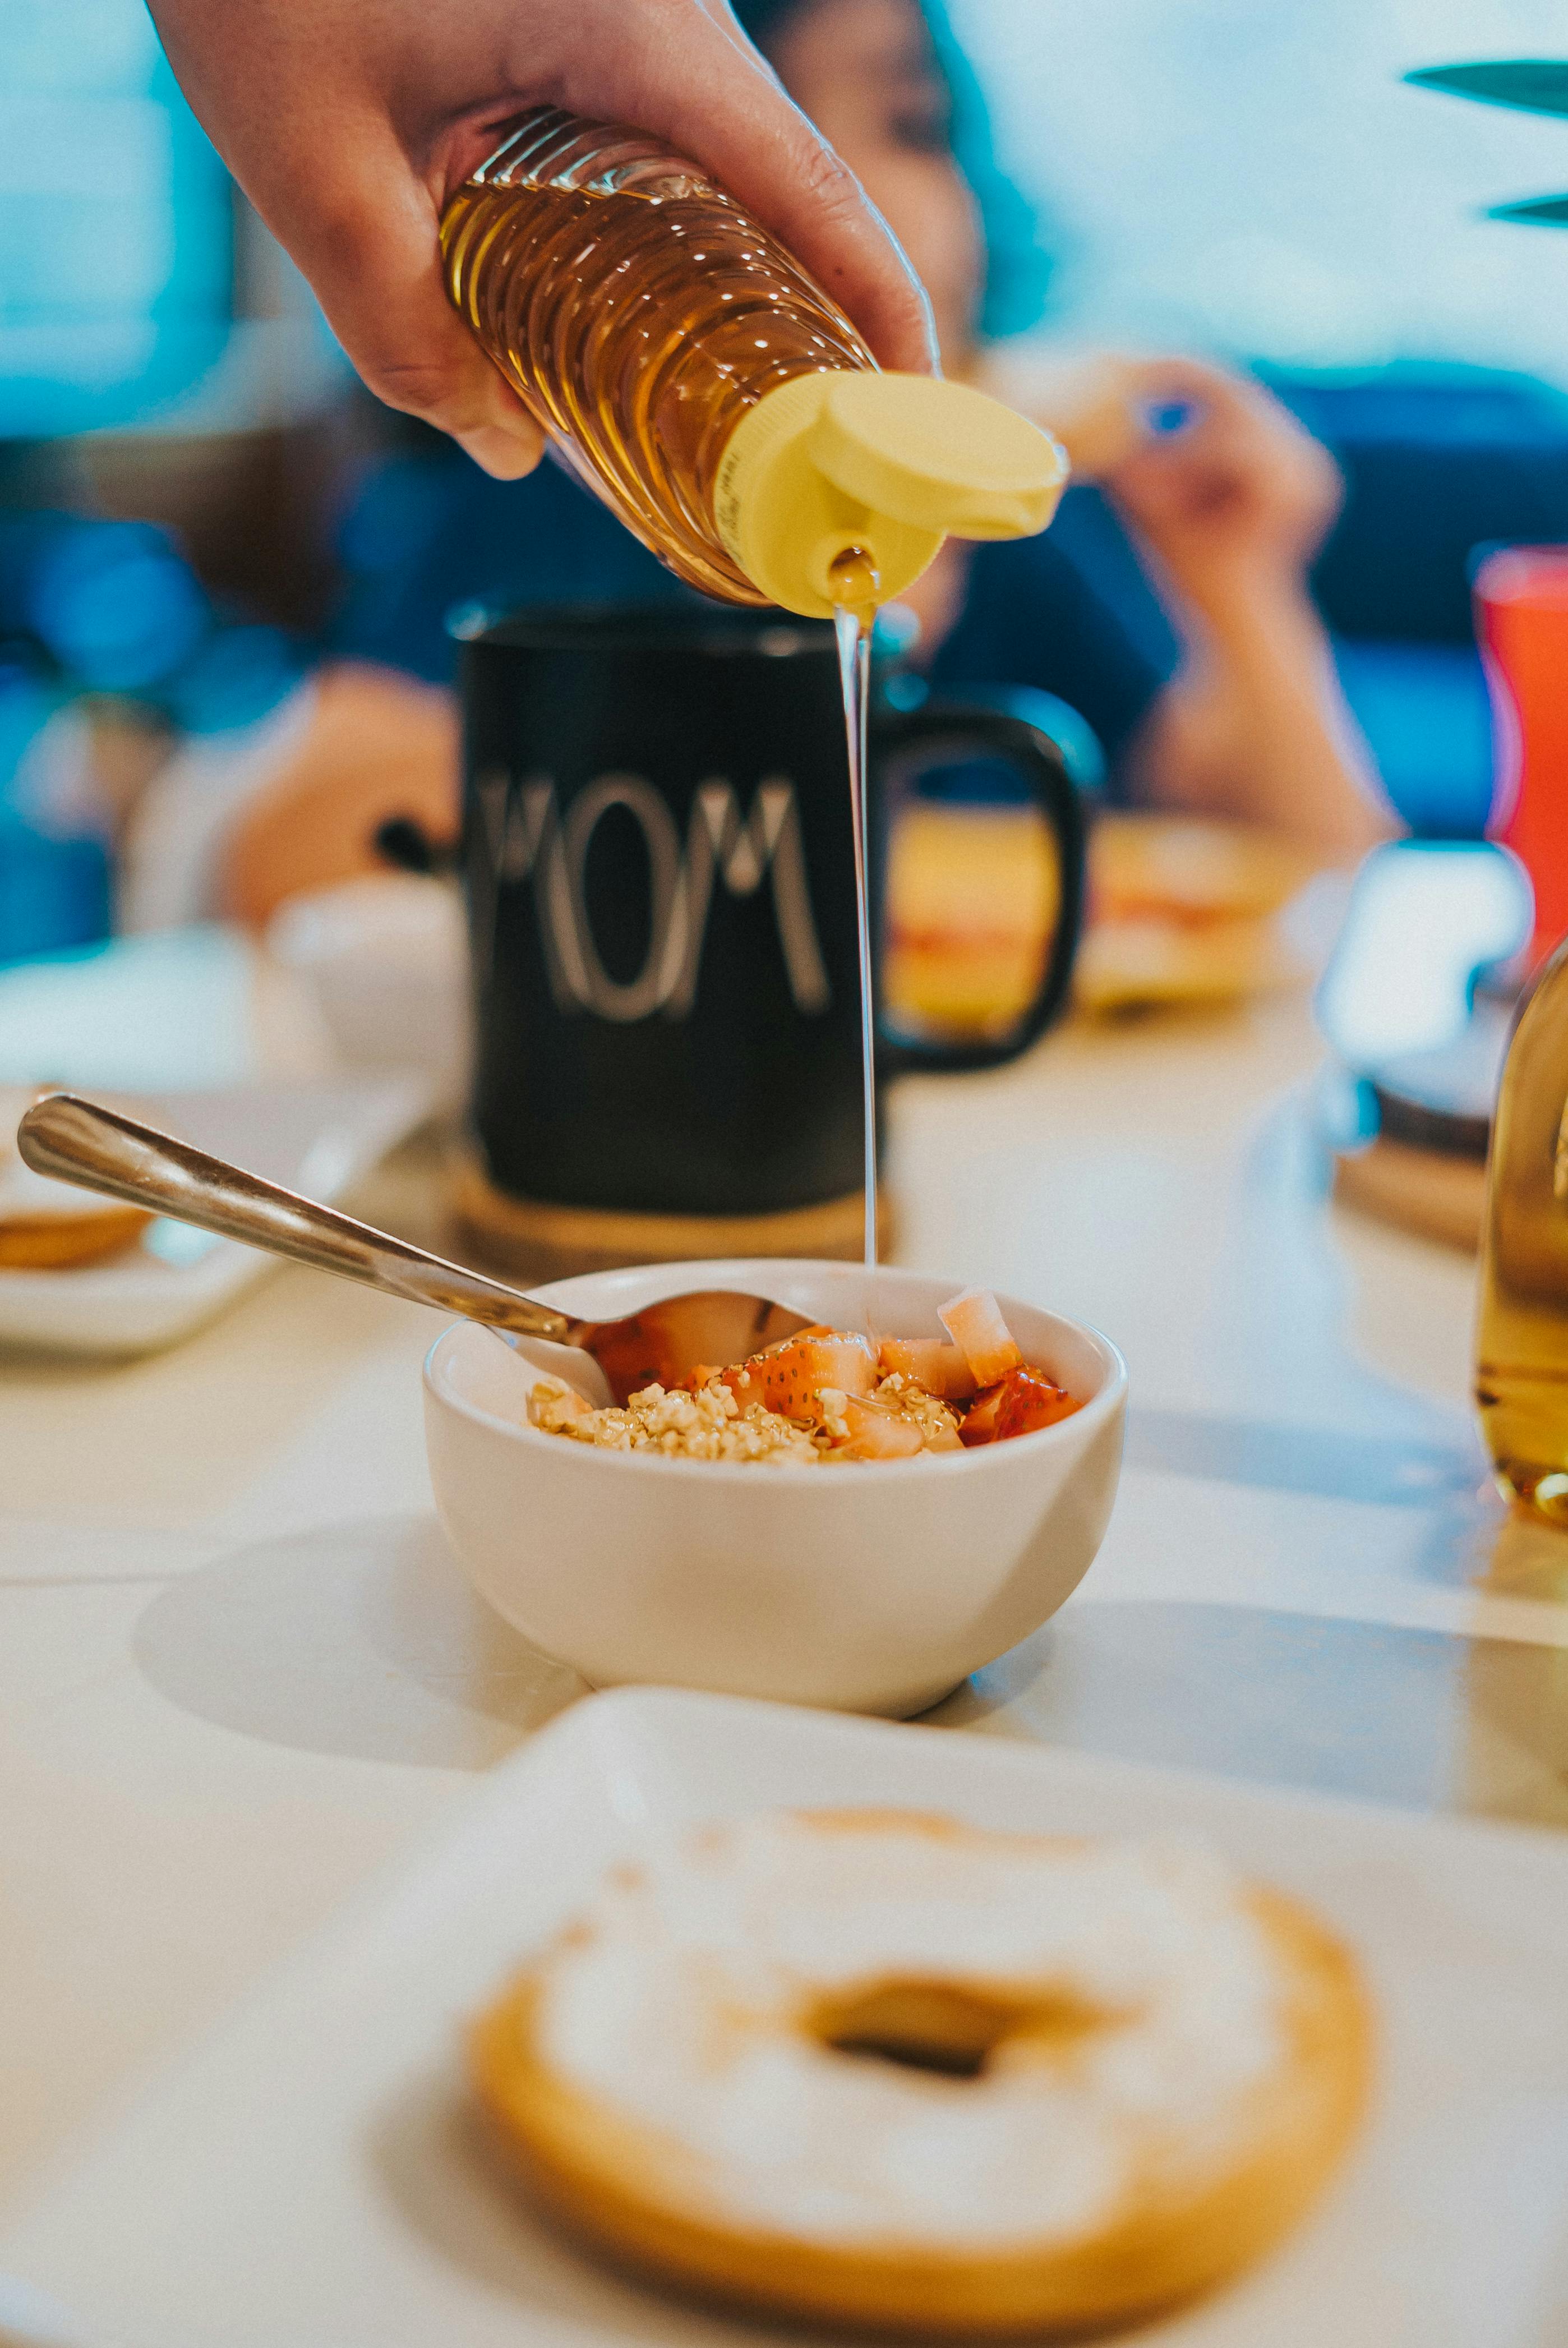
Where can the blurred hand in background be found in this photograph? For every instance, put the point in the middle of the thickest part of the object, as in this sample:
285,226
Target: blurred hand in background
349,124
1232,504
1236,497
1219,479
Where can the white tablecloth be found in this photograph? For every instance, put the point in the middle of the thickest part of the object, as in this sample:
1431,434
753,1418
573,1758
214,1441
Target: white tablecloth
238,1670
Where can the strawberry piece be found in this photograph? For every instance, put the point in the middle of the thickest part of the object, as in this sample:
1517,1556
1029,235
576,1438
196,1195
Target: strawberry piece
1020,1404
789,1376
1029,1401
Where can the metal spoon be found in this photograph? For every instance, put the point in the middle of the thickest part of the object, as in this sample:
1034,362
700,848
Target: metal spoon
77,1141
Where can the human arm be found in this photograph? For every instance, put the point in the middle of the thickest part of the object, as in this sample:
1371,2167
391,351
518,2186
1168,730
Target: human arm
349,124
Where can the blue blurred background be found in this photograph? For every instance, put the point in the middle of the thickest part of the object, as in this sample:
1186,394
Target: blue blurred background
197,502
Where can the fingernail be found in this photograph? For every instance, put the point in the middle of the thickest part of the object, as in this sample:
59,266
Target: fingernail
506,456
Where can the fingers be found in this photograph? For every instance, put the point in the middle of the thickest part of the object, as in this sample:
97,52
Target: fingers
1185,378
331,110
1233,409
711,96
370,249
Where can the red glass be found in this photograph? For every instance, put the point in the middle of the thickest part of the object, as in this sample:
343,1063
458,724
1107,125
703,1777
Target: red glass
1521,625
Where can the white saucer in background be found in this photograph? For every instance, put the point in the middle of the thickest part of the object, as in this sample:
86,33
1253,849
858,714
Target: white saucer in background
384,959
315,1137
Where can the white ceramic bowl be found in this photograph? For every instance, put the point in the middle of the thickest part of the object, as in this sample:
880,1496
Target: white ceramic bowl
868,1588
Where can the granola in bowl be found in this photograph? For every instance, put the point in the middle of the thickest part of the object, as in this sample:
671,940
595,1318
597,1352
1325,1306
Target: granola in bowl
706,1423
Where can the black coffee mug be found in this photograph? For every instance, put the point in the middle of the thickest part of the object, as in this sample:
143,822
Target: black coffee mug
658,853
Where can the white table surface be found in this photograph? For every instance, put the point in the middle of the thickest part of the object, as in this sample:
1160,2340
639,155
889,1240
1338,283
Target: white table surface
239,1672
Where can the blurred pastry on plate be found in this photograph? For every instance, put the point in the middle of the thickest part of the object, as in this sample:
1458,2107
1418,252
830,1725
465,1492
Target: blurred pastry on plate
882,2068
52,1226
972,900
1181,909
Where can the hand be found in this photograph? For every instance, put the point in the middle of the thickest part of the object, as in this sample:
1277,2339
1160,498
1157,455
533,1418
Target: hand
1237,500
349,123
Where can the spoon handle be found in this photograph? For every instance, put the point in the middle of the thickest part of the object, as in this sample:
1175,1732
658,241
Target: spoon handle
77,1141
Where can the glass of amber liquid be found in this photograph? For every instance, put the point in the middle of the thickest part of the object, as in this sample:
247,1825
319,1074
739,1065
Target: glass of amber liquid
1521,1336
1522,623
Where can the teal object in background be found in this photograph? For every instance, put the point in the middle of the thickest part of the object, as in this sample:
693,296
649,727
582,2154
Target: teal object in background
1529,85
53,891
115,605
112,607
116,222
1537,211
1424,712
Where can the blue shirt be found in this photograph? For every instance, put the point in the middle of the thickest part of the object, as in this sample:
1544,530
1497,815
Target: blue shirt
1068,612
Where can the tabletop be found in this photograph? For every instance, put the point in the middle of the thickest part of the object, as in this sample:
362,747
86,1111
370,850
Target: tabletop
240,1671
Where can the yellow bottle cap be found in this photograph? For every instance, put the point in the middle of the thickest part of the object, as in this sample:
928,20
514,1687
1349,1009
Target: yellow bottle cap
887,464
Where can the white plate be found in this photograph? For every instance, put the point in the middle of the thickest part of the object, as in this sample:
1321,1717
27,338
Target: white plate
310,2181
316,1138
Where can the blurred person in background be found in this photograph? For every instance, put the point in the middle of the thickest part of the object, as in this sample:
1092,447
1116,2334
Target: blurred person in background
347,129
1168,607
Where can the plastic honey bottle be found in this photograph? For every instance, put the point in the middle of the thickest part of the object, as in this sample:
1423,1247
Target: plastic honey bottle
698,380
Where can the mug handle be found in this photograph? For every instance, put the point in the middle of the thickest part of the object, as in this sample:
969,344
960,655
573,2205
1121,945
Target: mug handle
960,731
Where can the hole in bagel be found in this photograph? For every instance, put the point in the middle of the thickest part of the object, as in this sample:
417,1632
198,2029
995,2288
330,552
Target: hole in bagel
943,2026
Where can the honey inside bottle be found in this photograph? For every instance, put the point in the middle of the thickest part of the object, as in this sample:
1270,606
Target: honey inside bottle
640,312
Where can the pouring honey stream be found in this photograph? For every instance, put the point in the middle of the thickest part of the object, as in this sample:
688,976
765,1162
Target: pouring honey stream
856,585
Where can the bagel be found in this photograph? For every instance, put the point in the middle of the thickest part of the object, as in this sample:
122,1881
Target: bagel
889,2069
46,1226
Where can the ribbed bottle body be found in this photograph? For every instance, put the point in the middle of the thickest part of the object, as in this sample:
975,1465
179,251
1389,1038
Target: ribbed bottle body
640,312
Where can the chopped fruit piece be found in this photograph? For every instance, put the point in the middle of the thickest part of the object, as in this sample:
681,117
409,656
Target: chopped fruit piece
877,1430
789,1377
980,1424
974,1322
848,1420
934,1419
1020,1404
1029,1401
827,1394
941,1369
